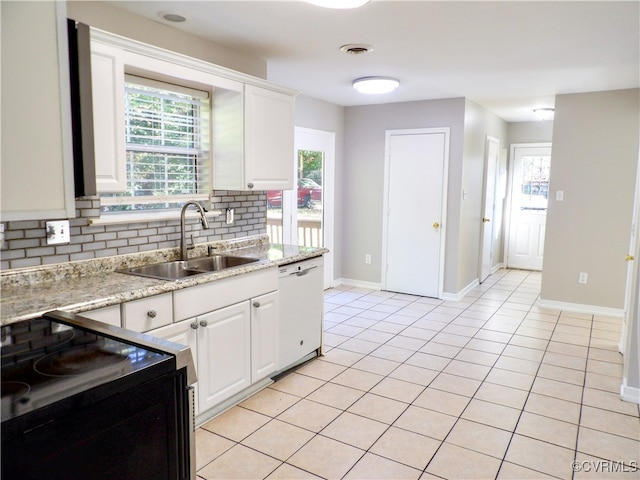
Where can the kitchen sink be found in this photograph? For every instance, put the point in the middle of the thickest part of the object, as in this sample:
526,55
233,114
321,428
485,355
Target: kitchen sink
187,268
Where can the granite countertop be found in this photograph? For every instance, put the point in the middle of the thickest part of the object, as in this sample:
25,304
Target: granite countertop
81,286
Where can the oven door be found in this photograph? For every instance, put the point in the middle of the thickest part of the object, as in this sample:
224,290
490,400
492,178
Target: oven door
141,432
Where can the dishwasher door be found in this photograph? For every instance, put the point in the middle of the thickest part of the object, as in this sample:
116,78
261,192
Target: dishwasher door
301,310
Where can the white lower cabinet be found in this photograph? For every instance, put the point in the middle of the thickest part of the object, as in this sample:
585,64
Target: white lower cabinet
233,347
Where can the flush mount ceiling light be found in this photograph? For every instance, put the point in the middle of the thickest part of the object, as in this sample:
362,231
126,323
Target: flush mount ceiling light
544,113
338,3
172,17
375,85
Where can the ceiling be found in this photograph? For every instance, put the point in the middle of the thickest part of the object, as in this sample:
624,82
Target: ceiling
508,56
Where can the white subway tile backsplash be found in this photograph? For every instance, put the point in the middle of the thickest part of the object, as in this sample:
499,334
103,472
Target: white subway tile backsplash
27,246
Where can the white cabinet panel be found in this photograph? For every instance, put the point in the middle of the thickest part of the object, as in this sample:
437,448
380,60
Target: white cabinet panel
269,139
148,313
109,315
265,321
223,354
253,147
107,77
36,153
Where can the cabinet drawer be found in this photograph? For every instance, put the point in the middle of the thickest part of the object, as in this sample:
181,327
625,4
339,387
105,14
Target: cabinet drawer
148,313
110,315
194,301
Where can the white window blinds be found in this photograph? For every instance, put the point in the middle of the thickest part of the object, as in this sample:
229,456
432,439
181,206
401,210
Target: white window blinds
167,146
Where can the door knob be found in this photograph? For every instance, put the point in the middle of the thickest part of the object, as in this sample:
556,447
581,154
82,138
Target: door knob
203,323
194,325
152,314
485,220
256,304
628,258
436,225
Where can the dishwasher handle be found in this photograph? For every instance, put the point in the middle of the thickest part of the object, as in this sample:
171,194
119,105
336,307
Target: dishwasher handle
302,273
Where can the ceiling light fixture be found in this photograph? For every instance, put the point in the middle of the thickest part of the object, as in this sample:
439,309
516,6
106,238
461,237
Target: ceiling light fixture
544,113
338,3
172,17
375,85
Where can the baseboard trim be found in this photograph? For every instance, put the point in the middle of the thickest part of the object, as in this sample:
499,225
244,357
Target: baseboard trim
629,394
349,282
497,267
456,297
581,308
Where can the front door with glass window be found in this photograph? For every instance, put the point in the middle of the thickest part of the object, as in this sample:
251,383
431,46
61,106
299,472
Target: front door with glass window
529,197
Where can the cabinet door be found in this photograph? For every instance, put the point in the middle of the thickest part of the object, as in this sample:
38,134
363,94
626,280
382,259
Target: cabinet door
264,335
107,77
223,354
269,137
36,148
183,333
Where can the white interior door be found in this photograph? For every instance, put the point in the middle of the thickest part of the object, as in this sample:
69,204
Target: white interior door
415,204
529,197
492,151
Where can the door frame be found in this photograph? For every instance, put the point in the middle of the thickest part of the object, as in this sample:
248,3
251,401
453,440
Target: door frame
443,213
509,203
324,141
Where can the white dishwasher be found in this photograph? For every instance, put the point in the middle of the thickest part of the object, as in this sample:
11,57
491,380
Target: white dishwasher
301,311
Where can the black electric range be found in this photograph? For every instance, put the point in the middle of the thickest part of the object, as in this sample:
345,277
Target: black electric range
82,399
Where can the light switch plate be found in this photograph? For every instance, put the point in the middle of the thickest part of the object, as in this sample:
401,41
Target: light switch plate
58,232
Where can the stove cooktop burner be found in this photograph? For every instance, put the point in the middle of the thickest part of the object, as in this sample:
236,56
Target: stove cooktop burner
77,360
15,390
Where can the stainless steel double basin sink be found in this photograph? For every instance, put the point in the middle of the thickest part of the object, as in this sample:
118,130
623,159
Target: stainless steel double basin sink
178,269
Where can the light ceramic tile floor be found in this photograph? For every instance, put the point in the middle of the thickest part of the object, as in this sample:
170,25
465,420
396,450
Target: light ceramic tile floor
412,387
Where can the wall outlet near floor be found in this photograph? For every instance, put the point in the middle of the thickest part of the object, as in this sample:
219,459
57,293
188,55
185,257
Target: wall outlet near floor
583,278
58,232
367,259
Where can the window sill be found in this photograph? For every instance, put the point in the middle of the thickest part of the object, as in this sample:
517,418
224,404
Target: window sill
142,217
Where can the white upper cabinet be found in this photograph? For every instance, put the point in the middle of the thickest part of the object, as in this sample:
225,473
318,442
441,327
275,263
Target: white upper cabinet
257,153
37,152
107,78
252,120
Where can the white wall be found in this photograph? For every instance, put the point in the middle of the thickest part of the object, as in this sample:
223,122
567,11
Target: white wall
363,180
478,123
595,156
106,17
529,132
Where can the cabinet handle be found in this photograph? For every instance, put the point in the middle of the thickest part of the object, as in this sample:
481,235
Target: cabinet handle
256,304
152,314
249,185
203,323
194,325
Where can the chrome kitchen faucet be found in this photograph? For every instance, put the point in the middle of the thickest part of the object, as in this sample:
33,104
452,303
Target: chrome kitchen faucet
203,219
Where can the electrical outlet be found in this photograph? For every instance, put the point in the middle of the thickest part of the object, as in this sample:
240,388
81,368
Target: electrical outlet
583,278
367,259
58,232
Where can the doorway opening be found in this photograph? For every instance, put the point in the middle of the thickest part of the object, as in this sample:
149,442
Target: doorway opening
304,216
